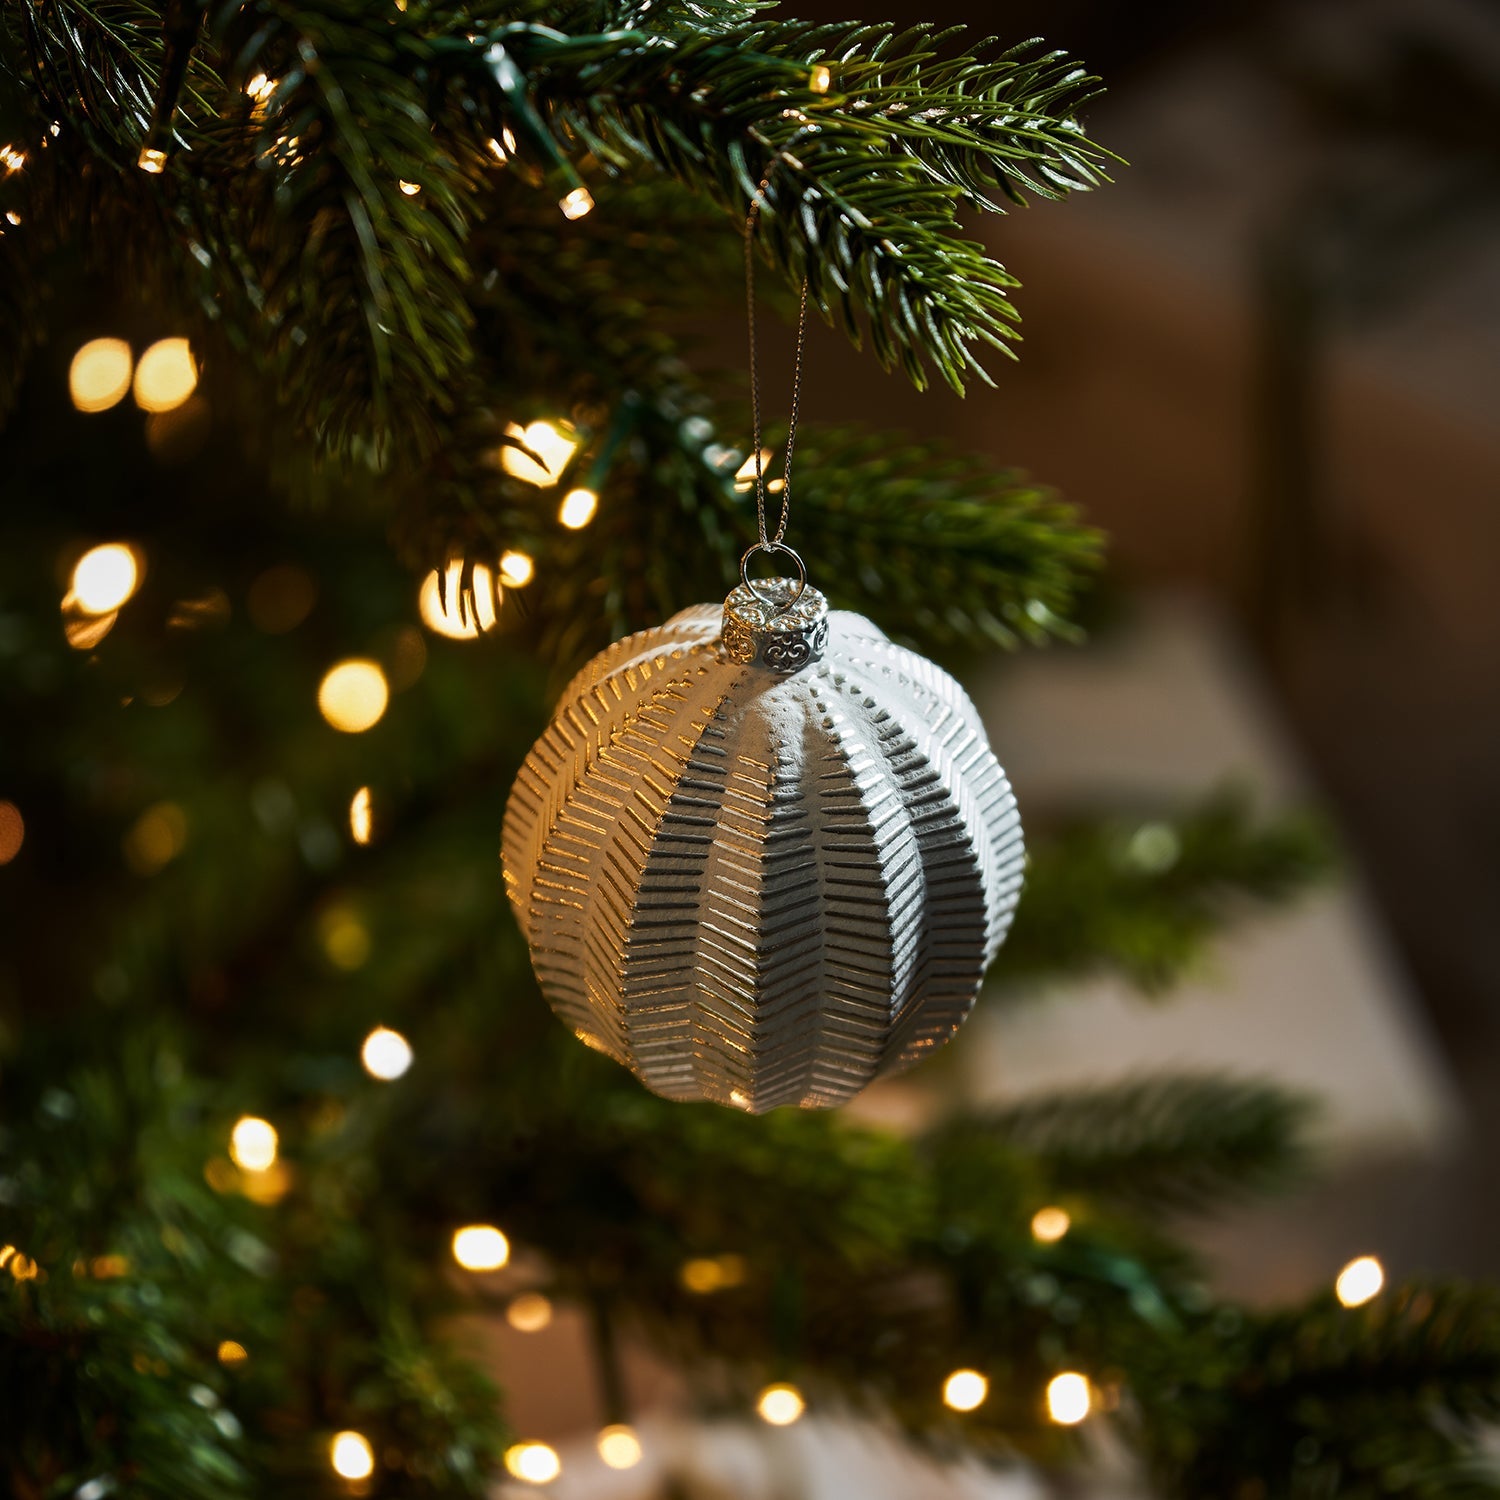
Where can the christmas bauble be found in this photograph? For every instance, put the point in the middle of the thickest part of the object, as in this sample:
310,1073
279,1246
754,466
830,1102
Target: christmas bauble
762,855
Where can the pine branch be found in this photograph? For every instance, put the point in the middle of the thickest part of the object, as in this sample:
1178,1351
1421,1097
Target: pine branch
1383,1399
1160,1143
863,196
1145,897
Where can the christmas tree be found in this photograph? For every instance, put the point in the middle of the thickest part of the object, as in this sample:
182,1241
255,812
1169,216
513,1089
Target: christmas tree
411,297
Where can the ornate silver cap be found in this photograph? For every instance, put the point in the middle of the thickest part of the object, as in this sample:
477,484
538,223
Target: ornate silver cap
780,624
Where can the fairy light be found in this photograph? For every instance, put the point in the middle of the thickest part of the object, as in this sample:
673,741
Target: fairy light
361,816
12,217
151,160
1050,1224
260,88
517,569
12,831
156,838
351,1455
99,375
232,1352
411,189
1359,1281
820,80
578,509
441,604
480,1247
1068,1398
11,159
253,1144
965,1390
780,1404
529,1313
165,376
533,1463
619,1447
353,696
386,1054
549,441
576,204
104,578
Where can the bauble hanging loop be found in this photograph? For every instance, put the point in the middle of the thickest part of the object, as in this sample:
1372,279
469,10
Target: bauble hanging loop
762,856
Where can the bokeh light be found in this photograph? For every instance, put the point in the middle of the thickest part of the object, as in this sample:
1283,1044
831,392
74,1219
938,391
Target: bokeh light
576,204
411,189
577,509
104,578
533,1463
165,375
353,696
964,1390
551,443
351,1455
344,937
12,831
232,1352
1068,1398
517,569
820,80
152,160
361,816
1359,1281
253,1144
712,1273
619,1447
386,1054
156,838
281,598
453,616
780,1404
100,373
1050,1224
480,1247
529,1313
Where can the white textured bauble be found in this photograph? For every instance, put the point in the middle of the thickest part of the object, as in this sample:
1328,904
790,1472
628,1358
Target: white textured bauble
762,855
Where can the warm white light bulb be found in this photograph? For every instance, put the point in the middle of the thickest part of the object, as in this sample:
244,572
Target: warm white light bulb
351,1456
361,816
104,578
964,1390
578,509
440,603
533,1463
253,1144
165,375
480,1247
517,569
780,1404
576,204
619,1447
100,374
529,1313
1068,1398
353,696
1050,1224
551,443
386,1054
1359,1281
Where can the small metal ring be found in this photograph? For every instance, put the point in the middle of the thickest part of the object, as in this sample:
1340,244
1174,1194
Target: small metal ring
776,606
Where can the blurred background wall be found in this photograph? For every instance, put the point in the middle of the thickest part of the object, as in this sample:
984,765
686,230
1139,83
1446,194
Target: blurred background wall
1266,361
